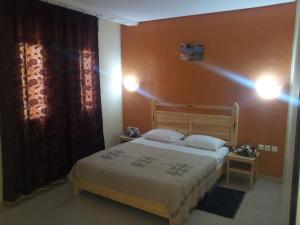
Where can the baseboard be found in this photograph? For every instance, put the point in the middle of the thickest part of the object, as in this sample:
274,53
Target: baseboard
270,178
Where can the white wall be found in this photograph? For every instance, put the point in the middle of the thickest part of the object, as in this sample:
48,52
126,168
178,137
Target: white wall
111,80
291,123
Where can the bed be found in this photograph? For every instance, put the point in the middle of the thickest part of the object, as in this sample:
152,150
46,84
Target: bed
162,178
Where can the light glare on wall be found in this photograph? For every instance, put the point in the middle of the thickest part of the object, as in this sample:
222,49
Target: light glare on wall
268,87
114,76
131,83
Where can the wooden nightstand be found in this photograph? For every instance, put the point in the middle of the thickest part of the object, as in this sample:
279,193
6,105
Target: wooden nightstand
242,165
124,138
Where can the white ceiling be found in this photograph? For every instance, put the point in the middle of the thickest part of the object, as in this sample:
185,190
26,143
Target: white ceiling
131,12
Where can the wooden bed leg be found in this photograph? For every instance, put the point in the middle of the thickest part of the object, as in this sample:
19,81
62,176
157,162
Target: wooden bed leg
76,189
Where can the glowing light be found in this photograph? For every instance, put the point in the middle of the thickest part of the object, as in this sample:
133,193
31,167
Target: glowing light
244,81
114,77
131,83
230,75
148,95
234,77
268,87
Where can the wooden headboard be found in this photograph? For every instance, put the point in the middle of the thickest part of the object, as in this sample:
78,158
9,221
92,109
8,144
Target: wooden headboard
216,121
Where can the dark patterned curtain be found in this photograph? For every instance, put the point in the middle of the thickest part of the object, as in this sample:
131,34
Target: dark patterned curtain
49,93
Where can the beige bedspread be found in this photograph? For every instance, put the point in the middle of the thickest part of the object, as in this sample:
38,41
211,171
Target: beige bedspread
172,178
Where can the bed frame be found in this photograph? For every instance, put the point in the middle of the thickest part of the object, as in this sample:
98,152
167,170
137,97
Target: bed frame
217,121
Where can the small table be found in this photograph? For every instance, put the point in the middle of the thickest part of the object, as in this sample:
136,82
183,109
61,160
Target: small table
242,165
124,138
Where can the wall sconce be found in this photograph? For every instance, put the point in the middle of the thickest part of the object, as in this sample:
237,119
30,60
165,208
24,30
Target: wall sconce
268,87
131,83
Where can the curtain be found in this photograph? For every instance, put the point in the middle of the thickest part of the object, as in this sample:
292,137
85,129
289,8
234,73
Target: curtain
49,93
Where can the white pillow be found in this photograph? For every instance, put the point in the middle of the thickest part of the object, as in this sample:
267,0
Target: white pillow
163,135
204,142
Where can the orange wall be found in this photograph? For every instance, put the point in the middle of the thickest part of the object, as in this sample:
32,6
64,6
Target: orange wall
248,42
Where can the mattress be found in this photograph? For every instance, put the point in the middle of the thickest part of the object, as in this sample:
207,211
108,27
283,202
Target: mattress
175,179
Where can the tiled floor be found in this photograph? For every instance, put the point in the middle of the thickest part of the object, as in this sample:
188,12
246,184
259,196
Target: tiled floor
261,206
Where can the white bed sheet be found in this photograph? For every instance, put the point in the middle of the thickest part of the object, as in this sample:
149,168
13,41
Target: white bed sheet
219,154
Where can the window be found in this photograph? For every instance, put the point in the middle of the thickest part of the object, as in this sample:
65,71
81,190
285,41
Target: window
87,95
33,80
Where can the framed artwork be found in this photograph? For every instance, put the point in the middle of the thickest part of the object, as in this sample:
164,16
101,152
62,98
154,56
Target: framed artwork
191,51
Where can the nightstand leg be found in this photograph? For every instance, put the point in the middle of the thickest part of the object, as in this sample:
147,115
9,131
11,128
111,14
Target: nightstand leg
252,176
227,172
76,189
227,178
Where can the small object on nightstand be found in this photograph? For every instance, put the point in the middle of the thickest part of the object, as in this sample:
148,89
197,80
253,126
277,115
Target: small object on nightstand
130,134
244,165
133,132
245,150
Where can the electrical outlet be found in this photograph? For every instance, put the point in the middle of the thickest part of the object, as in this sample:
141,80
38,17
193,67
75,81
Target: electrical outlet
267,148
274,149
261,147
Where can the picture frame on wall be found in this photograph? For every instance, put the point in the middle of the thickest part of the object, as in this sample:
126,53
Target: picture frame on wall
191,51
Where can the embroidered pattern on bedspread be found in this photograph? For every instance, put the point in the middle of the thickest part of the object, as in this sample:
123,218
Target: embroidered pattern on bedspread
110,155
144,161
178,169
172,178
